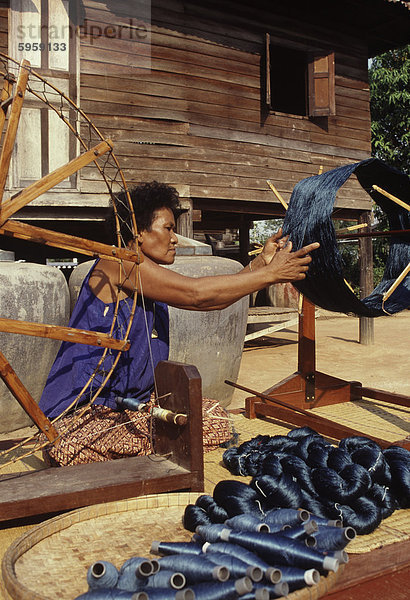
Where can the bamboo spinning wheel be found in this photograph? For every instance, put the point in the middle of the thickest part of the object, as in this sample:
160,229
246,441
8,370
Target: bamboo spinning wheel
93,150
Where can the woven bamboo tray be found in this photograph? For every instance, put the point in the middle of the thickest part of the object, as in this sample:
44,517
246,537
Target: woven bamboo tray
51,560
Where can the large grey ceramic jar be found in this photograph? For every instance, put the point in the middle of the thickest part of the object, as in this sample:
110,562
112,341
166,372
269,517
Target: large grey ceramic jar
36,293
210,340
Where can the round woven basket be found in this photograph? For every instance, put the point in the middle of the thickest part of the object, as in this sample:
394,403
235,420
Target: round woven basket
51,560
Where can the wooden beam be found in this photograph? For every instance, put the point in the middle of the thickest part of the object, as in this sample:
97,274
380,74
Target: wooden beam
66,334
25,399
21,199
12,126
277,409
366,324
371,234
72,243
307,339
383,396
5,98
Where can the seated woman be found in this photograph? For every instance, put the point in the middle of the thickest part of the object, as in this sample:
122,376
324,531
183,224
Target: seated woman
109,428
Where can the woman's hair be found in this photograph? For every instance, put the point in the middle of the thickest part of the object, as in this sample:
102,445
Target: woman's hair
146,199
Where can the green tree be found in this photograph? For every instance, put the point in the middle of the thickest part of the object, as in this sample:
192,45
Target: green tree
389,78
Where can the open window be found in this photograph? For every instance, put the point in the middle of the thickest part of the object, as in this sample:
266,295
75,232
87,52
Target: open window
43,32
299,82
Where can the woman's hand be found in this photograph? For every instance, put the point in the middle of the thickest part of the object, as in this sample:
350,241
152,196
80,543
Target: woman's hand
291,266
272,245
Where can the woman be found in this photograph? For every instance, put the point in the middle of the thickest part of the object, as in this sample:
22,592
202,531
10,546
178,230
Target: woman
108,429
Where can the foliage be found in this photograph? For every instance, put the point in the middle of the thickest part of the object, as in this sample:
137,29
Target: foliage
389,78
263,229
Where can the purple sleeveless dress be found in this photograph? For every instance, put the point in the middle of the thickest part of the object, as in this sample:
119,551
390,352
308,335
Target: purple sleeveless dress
133,375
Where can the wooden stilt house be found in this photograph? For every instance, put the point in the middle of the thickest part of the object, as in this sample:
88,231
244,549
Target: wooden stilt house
214,98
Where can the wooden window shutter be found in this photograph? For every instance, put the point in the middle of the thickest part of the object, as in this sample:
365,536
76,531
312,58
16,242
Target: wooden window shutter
321,75
268,96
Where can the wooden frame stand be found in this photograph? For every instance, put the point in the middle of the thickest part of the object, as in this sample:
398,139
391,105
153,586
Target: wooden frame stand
176,465
309,388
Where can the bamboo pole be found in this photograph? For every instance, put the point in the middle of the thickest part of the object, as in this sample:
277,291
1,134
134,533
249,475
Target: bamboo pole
12,125
391,197
55,239
66,334
398,281
21,199
352,228
25,399
277,194
285,206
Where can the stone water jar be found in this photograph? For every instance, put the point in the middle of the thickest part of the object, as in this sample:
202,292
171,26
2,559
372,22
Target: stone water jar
36,293
210,340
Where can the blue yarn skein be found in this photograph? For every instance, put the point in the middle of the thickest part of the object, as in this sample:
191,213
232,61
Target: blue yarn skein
280,550
133,572
299,578
164,594
166,548
264,590
194,516
309,218
247,522
356,481
280,491
353,482
237,498
196,569
237,567
272,574
216,513
398,460
102,574
384,499
286,516
362,514
334,538
166,579
210,533
106,594
222,591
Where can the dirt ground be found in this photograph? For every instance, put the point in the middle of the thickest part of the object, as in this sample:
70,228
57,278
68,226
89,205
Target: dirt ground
383,365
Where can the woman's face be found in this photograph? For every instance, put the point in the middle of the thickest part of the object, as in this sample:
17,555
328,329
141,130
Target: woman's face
160,241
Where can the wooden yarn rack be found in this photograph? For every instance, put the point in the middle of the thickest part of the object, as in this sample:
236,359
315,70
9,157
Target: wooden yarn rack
290,399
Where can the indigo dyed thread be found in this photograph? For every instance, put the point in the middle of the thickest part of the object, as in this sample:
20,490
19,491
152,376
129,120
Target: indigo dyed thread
308,219
356,481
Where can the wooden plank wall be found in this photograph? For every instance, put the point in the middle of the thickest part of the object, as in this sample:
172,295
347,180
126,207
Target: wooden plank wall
194,119
3,26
